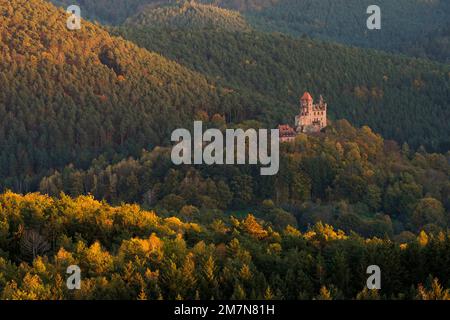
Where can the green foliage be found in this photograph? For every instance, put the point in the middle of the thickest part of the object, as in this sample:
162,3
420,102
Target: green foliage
126,252
69,96
189,15
428,211
243,5
416,27
347,177
117,11
402,98
108,11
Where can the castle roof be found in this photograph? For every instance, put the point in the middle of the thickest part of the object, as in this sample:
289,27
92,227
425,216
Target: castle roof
306,96
286,130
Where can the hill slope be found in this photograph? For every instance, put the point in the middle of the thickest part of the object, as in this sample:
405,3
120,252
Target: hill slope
128,253
117,11
243,5
108,11
403,98
405,24
68,96
414,27
189,15
346,177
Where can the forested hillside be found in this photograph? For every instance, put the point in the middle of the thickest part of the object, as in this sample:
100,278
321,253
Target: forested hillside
402,98
407,25
189,15
243,5
68,96
86,118
349,178
117,11
109,11
127,253
436,45
415,27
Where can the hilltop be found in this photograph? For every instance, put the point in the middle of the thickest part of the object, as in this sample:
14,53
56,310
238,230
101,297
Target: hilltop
68,96
117,11
189,15
415,27
348,177
243,5
109,11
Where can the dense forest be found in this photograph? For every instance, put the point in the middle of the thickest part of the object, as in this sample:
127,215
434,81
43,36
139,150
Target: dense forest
346,177
117,11
434,46
109,11
406,25
125,252
189,15
402,98
85,123
68,97
413,27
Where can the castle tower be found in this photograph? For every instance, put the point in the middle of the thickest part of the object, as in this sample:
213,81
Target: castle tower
306,103
312,117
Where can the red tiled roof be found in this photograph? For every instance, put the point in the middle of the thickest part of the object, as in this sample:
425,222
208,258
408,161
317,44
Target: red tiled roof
306,96
286,130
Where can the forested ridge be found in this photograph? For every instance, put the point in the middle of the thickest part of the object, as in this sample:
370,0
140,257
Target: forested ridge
125,252
86,117
109,11
414,27
347,177
117,11
402,98
69,96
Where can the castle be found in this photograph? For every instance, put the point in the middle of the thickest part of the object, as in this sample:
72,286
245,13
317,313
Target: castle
312,118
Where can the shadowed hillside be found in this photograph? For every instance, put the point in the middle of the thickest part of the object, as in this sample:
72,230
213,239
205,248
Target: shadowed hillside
68,96
189,15
407,26
405,99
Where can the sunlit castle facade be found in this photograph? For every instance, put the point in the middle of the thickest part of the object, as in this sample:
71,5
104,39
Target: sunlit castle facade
312,118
